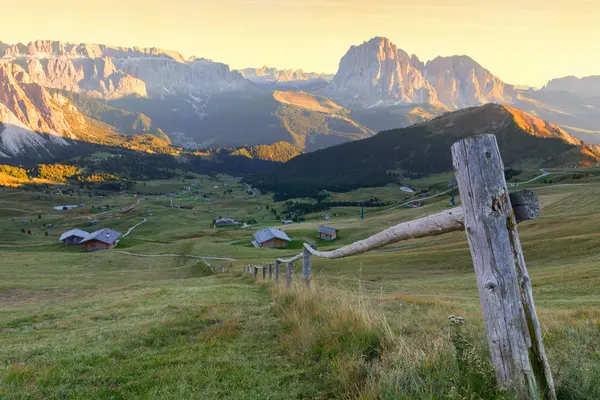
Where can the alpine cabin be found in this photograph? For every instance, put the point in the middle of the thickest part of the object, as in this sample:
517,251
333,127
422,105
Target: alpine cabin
271,238
327,233
103,239
73,237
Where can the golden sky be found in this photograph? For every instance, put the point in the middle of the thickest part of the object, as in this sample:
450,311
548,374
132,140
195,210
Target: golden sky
521,41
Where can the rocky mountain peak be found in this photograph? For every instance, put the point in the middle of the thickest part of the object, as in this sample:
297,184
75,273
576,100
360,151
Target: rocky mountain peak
378,73
462,82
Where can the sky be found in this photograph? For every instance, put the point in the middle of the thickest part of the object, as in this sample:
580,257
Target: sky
525,42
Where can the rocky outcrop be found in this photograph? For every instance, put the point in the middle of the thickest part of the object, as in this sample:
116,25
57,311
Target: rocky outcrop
376,73
588,86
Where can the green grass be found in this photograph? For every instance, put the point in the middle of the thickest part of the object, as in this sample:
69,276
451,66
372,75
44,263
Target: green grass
110,325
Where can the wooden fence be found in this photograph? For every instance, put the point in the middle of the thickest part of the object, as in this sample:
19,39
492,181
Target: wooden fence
489,215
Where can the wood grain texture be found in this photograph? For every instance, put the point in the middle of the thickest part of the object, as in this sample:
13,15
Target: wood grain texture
512,327
276,278
288,274
306,266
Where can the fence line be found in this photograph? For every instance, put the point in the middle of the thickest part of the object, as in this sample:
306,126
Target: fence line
489,215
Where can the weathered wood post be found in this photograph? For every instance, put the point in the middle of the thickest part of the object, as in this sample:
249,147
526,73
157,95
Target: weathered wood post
254,272
306,266
276,279
513,330
264,272
270,271
288,275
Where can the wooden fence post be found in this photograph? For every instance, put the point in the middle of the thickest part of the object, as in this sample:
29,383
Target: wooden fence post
254,272
306,266
513,330
276,279
264,272
270,271
288,275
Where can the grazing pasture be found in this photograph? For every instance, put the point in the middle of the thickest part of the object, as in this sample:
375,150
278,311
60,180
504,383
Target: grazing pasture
147,319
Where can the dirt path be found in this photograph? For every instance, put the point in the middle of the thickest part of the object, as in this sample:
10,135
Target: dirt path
417,200
135,226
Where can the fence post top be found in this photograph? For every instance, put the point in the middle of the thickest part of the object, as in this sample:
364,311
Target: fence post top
476,137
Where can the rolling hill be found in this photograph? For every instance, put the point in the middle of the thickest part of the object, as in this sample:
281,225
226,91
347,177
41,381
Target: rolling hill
422,149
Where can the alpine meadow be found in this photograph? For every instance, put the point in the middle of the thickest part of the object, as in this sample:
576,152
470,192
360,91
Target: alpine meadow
377,225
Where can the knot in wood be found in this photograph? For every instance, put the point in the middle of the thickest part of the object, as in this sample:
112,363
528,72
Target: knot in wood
499,203
491,285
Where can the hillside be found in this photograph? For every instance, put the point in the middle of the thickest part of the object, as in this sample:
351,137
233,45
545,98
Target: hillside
422,149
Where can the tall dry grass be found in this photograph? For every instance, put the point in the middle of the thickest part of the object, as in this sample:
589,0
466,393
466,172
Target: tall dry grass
348,342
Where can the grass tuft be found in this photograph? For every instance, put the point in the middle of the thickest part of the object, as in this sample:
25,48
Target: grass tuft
347,342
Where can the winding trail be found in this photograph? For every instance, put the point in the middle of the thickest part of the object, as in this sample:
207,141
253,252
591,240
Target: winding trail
417,200
544,173
250,188
135,226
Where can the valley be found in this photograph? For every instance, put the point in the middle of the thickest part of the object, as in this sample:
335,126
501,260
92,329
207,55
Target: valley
148,319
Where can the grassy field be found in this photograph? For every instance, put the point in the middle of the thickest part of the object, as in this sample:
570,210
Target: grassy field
111,325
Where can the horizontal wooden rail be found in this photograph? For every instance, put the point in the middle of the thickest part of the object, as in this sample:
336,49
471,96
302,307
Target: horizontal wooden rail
526,208
290,260
436,224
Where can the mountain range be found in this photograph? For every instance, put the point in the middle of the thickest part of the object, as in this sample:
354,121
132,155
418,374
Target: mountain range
55,94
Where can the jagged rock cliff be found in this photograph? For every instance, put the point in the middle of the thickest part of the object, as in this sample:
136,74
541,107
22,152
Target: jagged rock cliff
377,73
31,118
114,72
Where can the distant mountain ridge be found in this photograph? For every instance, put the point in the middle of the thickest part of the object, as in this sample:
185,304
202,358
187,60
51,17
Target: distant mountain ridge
424,149
197,103
588,86
274,76
115,72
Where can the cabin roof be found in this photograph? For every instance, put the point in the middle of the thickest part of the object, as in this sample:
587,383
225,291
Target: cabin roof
103,235
327,230
73,232
226,221
267,234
